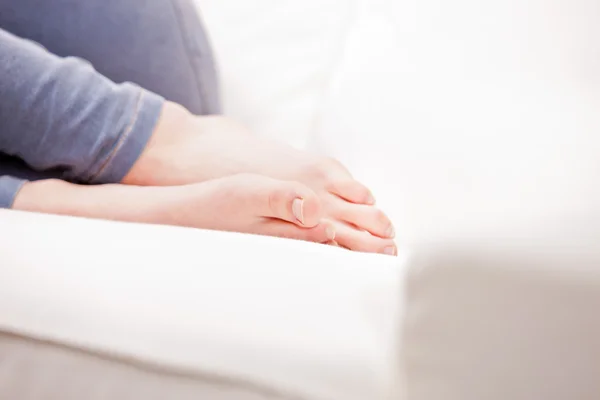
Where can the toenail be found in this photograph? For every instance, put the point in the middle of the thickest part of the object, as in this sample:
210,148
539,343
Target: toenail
330,232
370,199
390,232
390,251
298,209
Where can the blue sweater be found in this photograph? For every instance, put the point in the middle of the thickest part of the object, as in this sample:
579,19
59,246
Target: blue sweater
60,114
61,119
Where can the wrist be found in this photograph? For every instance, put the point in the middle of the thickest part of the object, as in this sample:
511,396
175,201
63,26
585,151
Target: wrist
173,122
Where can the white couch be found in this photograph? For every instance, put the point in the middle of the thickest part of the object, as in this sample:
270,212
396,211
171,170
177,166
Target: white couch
476,124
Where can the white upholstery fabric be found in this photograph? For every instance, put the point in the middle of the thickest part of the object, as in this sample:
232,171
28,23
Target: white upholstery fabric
42,370
292,318
276,59
502,315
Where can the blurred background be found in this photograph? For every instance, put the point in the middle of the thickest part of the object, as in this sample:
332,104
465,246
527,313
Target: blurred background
457,114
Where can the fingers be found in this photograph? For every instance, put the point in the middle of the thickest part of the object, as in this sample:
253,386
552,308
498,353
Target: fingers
354,239
352,191
365,217
287,201
322,233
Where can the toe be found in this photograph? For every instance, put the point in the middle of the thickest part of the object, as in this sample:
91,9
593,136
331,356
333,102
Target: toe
365,217
321,233
354,239
352,191
288,201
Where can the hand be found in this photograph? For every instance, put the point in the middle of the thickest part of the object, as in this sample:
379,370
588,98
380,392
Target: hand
240,203
187,149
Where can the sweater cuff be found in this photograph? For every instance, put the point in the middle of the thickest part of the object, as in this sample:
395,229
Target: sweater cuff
133,140
9,187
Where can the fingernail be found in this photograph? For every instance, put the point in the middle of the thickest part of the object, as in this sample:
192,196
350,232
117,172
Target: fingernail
390,232
390,251
330,232
298,210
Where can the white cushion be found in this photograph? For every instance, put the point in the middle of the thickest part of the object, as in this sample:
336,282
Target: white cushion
276,58
292,318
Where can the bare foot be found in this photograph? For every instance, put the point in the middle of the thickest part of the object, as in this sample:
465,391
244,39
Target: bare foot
240,203
188,149
252,204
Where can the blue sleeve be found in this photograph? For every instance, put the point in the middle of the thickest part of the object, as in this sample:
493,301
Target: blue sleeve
9,187
60,114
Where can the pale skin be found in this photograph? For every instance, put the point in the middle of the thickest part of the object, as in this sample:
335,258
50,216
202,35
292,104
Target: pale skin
211,173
